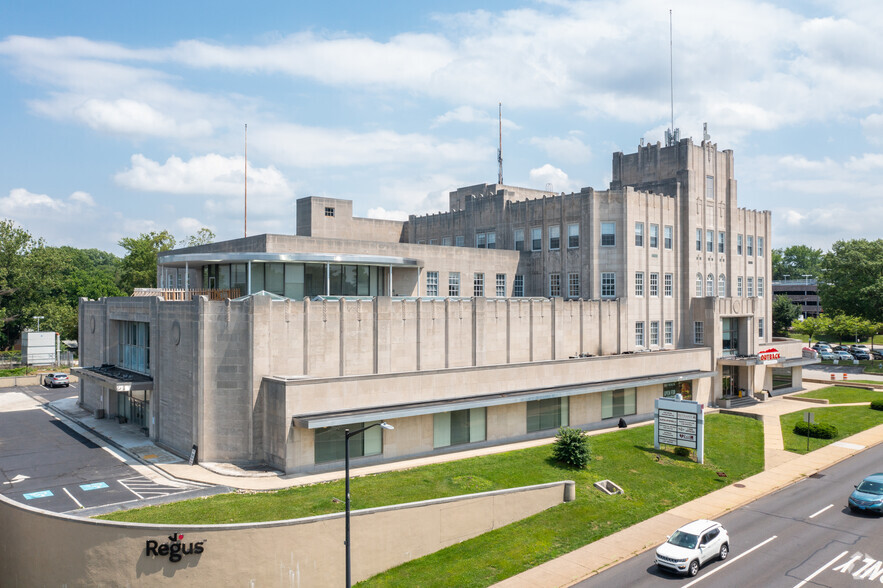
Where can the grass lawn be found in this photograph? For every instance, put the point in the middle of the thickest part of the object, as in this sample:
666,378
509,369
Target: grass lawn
843,395
849,420
653,482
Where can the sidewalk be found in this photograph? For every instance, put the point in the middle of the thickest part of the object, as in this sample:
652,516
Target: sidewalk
781,468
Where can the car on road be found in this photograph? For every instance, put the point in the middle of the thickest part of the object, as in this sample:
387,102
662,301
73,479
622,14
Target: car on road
843,356
53,380
827,354
868,496
693,545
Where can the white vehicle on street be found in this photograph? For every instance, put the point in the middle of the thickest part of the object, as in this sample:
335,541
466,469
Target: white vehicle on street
693,545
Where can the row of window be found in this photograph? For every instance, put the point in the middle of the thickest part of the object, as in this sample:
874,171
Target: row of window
722,242
478,286
467,426
699,331
667,239
668,284
668,333
722,286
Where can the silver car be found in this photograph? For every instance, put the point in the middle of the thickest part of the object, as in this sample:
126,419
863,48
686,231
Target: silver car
56,379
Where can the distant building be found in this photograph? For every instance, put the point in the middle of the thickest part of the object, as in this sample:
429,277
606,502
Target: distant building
804,293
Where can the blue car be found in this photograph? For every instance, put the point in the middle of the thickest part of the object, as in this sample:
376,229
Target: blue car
868,496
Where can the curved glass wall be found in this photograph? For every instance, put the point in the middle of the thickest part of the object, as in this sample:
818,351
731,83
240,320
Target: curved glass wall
297,280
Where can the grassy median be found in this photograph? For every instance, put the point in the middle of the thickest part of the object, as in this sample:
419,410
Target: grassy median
843,395
849,420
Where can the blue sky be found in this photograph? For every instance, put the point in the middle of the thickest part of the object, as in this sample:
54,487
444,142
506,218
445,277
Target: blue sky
121,118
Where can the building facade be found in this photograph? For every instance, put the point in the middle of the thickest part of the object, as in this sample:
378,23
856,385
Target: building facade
515,312
804,293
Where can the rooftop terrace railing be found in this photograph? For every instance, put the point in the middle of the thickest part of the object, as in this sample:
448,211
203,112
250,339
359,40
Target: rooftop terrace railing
181,294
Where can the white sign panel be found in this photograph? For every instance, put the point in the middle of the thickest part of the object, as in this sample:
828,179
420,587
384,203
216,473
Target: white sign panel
680,423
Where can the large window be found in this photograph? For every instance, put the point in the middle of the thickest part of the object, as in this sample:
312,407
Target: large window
608,234
698,239
518,287
709,241
481,240
330,442
698,285
781,378
459,241
639,334
639,283
492,240
721,242
760,246
709,285
554,238
721,285
549,413
454,284
698,333
749,245
536,239
738,244
739,286
133,346
750,287
654,236
446,241
668,288
478,285
709,187
518,239
669,332
618,403
608,284
760,328
458,427
760,287
554,285
654,333
730,336
639,234
573,285
668,239
501,285
654,284
572,236
432,283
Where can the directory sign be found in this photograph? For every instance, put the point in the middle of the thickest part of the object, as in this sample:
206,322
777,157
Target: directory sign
680,423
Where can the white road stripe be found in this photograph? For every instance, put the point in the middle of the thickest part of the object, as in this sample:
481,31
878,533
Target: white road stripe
719,568
814,515
123,484
114,453
72,498
821,569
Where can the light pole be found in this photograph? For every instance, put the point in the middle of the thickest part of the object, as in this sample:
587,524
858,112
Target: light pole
347,435
38,321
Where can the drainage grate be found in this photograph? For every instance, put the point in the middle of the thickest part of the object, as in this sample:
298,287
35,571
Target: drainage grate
817,476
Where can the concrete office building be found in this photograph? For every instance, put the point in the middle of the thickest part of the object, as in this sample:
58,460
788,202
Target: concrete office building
515,312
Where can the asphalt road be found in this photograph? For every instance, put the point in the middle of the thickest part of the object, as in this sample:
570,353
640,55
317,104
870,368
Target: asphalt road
803,535
52,464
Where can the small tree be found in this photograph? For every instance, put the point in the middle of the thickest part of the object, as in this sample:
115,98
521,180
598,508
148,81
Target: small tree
571,447
785,312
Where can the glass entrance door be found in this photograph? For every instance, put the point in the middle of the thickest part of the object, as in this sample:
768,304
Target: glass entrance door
730,380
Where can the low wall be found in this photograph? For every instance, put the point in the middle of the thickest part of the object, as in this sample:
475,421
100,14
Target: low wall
31,380
40,548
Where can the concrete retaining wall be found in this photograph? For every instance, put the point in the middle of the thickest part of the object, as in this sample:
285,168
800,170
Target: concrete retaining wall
39,548
31,380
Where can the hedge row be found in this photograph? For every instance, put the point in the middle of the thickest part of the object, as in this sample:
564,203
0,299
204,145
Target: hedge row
815,430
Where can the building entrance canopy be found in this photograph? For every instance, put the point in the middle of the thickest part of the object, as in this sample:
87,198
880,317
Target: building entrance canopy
115,378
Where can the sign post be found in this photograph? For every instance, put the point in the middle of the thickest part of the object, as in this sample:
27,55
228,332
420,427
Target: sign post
808,418
680,423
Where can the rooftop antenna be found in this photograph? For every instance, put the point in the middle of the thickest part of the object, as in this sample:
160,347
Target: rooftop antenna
500,148
246,180
672,135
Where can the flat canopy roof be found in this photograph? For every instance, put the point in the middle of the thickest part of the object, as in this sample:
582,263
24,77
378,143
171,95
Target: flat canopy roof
115,378
180,259
346,417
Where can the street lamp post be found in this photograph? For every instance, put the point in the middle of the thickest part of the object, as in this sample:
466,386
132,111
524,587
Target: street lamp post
38,321
347,435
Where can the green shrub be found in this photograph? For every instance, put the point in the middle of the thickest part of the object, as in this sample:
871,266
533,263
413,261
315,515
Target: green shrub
877,404
682,451
571,447
815,430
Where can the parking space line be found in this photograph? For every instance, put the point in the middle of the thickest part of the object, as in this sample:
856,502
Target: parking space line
72,497
814,515
114,453
123,484
821,569
719,568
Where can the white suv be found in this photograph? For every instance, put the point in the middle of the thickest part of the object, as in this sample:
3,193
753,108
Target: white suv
691,546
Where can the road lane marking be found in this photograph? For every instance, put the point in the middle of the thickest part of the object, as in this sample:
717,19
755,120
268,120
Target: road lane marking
728,562
821,569
72,498
814,515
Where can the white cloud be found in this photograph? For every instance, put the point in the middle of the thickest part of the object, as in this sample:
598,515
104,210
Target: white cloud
470,114
569,149
25,204
136,118
547,174
382,213
207,174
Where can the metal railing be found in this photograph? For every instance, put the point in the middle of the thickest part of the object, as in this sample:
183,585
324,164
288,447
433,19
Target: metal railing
181,294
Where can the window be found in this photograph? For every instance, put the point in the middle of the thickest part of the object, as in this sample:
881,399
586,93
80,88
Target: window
608,284
501,285
721,240
654,236
739,286
639,334
446,241
698,239
481,240
730,336
654,333
722,285
433,241
618,403
639,283
750,287
478,285
454,284
432,283
536,239
709,285
572,236
518,239
709,241
554,285
549,413
329,211
668,287
668,237
329,442
749,245
421,241
608,234
573,285
698,285
554,238
738,244
133,346
709,187
669,332
760,328
760,246
492,240
459,242
760,287
654,284
698,333
639,234
518,287
458,427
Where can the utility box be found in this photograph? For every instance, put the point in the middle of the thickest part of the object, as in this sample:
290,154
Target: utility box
38,348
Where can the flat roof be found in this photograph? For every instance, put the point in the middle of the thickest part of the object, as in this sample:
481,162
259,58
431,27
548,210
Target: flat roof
346,417
180,259
116,378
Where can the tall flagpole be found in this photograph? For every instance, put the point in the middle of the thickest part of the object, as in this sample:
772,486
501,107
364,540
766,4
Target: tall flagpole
246,179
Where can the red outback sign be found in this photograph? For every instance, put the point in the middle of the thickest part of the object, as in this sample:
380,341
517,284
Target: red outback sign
770,354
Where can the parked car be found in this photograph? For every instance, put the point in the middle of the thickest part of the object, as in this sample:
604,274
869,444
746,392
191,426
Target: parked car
843,356
827,354
876,354
693,545
868,496
860,354
56,379
819,344
837,348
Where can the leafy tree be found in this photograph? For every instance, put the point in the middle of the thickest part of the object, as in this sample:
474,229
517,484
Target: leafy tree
203,236
785,313
15,246
853,279
139,265
814,326
796,262
571,447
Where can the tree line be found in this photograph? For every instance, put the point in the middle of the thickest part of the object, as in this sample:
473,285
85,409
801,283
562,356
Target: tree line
39,280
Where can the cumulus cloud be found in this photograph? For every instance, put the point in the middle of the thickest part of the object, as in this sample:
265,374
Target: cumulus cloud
381,213
549,175
136,118
22,203
470,114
